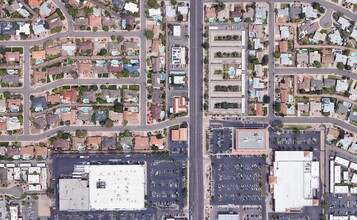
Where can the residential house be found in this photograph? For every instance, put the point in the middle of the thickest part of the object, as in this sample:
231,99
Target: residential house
109,143
141,143
95,21
314,57
316,84
101,116
70,116
210,12
41,152
39,76
94,141
54,70
39,102
53,99
302,59
61,144
85,46
304,83
52,119
55,23
341,86
27,153
69,96
12,57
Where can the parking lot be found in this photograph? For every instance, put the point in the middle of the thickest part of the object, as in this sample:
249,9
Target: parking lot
165,188
220,140
237,180
341,204
288,140
244,212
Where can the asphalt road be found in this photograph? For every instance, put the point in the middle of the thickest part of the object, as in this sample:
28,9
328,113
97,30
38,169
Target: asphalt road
196,195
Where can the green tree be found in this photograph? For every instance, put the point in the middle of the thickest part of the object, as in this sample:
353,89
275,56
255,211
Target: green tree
103,51
6,95
149,34
106,28
108,123
277,54
340,65
173,2
153,4
179,17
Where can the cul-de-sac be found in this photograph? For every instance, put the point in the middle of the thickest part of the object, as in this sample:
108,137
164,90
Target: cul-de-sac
178,110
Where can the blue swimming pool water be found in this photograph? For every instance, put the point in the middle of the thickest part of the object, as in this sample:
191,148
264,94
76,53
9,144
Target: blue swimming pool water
81,148
58,112
291,110
16,157
252,94
101,62
304,51
237,20
163,76
353,54
115,53
347,104
326,100
115,62
14,110
38,109
163,50
24,12
131,53
40,22
212,19
39,61
329,140
158,17
123,24
340,42
250,82
65,109
291,98
232,71
134,61
136,99
251,34
43,156
134,109
10,72
162,115
259,21
313,41
96,12
222,20
302,35
85,100
85,109
26,157
110,100
126,147
70,53
14,119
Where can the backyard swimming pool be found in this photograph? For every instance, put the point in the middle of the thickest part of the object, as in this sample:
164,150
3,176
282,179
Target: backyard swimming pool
115,53
85,109
232,71
96,12
10,72
110,100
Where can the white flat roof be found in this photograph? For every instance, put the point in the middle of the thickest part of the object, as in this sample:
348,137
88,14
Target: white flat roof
297,177
117,187
73,195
